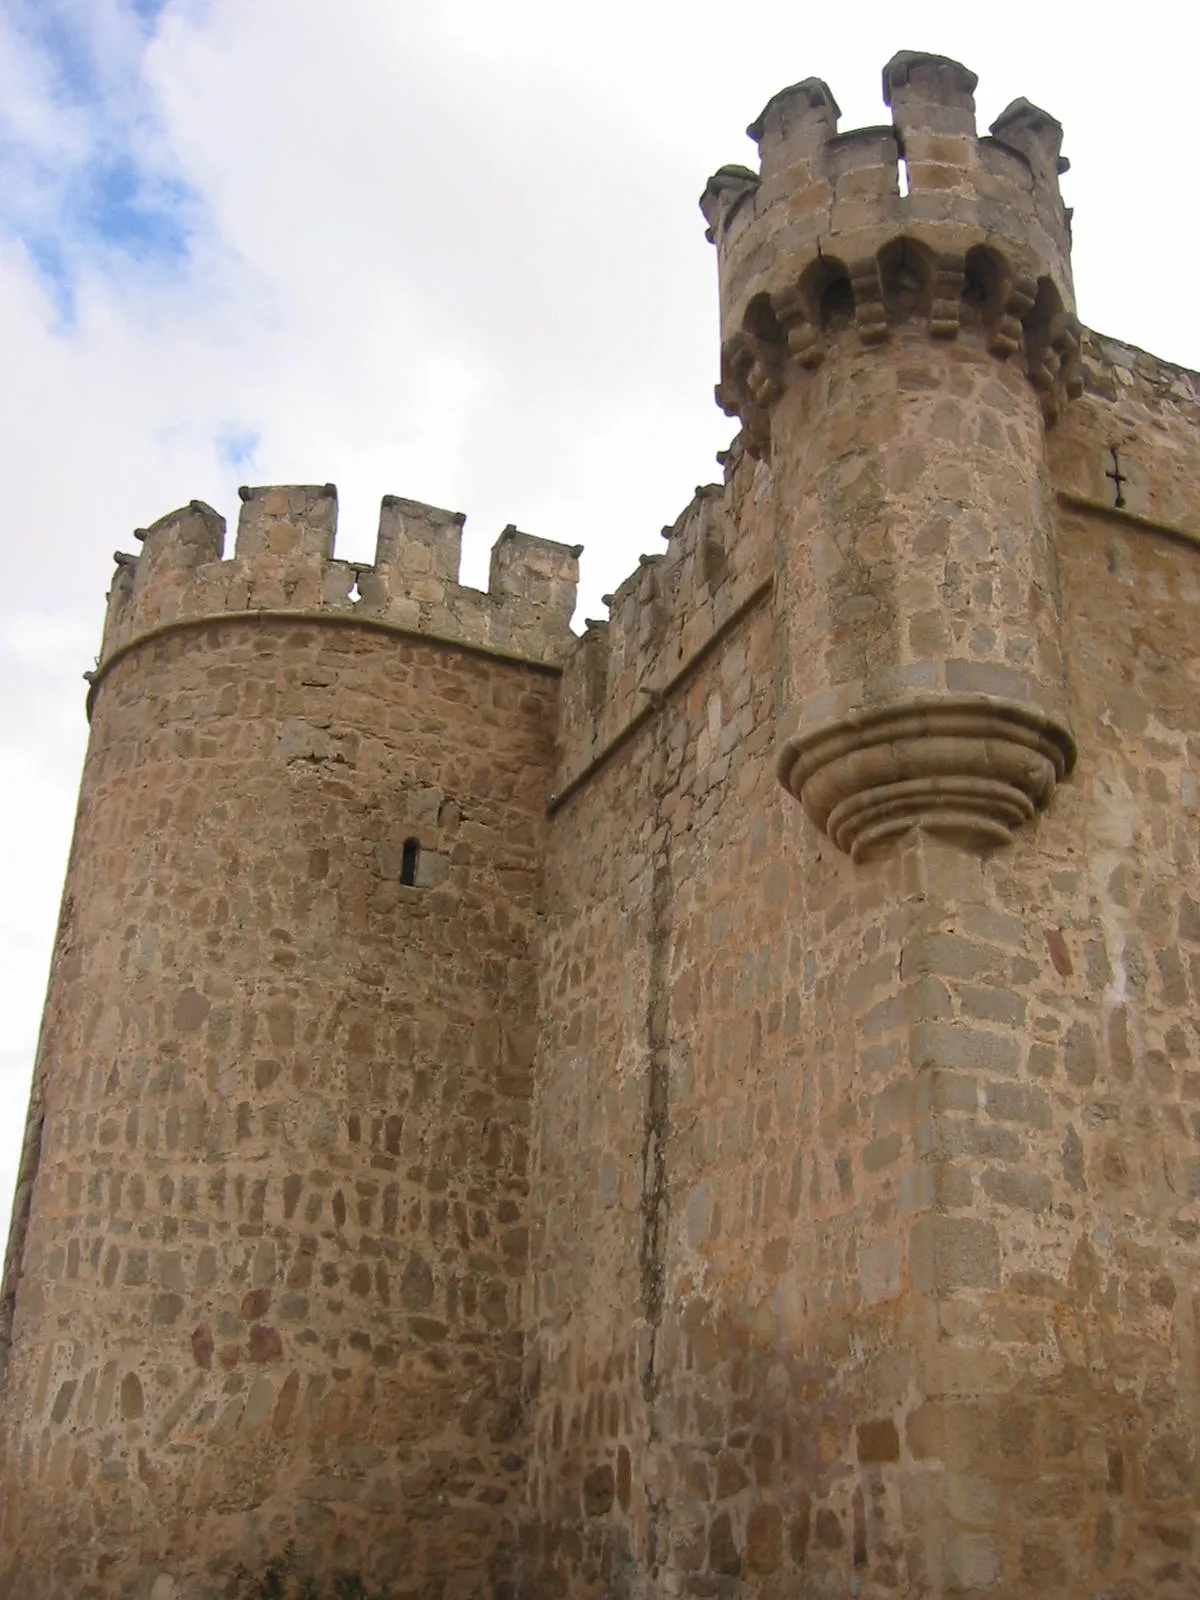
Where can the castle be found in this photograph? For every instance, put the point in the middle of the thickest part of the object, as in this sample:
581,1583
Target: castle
706,1108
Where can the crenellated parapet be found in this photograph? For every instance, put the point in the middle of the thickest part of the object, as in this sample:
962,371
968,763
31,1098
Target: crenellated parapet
826,240
284,562
663,619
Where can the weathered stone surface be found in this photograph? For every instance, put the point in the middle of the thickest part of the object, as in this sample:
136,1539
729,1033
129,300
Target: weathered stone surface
906,1156
286,1105
641,1194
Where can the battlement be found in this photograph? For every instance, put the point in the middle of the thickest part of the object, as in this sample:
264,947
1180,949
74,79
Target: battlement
664,618
826,238
284,561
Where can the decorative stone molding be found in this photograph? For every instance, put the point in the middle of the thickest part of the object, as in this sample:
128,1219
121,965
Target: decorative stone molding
969,768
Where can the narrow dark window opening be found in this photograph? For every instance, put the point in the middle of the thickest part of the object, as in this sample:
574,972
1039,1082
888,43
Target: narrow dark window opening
1118,477
409,862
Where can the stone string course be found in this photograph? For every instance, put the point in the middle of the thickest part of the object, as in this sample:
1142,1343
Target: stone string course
662,1182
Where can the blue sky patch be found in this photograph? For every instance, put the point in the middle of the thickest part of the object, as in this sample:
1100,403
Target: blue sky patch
66,46
147,11
47,258
98,200
59,29
116,203
237,449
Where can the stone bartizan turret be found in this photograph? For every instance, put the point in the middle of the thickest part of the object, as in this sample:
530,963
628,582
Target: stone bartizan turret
896,356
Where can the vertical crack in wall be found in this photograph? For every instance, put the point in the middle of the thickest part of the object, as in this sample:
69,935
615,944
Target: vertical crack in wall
656,1125
656,1129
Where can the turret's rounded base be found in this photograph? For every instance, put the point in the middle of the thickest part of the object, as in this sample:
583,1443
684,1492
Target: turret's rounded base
972,769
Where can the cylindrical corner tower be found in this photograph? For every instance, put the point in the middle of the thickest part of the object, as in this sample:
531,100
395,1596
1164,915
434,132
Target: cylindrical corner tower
898,350
265,1277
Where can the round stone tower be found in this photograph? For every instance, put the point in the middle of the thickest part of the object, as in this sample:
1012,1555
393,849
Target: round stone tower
897,333
264,1282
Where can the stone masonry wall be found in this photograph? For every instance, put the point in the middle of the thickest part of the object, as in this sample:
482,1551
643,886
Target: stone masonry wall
272,1283
517,1165
741,1175
865,1207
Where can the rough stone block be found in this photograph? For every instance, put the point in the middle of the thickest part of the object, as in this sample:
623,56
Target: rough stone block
947,1254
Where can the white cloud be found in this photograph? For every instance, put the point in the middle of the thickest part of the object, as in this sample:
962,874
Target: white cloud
444,250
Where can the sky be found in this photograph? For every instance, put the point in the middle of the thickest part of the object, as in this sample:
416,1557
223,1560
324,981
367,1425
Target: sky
447,249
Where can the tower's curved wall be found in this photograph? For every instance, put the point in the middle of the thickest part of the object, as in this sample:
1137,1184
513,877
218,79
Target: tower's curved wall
270,1284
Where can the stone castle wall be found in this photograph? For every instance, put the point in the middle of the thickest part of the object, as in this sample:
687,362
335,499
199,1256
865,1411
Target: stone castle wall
749,1148
272,1284
897,1163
